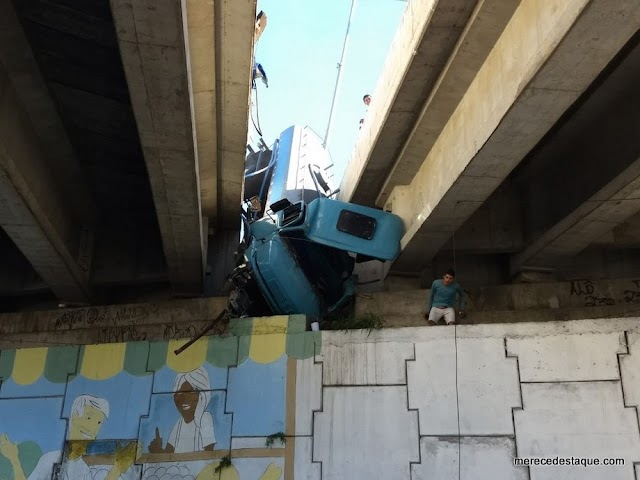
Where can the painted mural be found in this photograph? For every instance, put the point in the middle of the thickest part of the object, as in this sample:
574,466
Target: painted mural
136,410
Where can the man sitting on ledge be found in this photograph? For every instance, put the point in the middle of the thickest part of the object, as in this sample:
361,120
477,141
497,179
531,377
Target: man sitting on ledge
442,297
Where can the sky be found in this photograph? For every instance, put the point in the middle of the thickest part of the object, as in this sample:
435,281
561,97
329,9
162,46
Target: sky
300,50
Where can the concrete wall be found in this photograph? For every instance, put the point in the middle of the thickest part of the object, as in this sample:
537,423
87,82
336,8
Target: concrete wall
412,403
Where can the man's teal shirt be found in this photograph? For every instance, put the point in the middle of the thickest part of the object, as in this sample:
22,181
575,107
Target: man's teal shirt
445,296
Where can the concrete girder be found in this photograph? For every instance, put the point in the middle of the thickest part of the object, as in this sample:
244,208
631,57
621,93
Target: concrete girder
34,95
152,39
623,235
221,88
483,29
202,58
426,36
16,275
45,205
235,27
600,149
548,55
33,210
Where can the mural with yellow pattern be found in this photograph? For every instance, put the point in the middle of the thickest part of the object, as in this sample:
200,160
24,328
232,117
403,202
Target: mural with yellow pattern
138,411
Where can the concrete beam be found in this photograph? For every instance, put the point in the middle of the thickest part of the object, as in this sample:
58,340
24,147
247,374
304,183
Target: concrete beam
426,36
548,55
624,235
129,252
235,26
221,89
600,150
34,96
202,58
151,35
45,206
495,227
33,210
483,29
17,276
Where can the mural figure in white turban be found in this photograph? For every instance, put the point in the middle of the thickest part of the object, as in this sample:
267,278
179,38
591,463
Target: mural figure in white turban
193,432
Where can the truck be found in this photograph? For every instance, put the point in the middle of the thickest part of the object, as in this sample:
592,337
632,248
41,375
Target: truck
299,244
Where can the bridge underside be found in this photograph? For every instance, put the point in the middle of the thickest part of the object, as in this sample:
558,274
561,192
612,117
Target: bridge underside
122,139
518,160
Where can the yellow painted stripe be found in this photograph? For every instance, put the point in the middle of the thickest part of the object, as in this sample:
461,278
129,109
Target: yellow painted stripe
268,339
28,365
192,358
100,362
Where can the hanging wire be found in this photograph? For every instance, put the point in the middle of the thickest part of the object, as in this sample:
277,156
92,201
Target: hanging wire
453,232
455,329
258,114
336,90
455,340
257,127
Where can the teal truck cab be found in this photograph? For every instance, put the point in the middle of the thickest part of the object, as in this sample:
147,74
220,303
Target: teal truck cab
298,254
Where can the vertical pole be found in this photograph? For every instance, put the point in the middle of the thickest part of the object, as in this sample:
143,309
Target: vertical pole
339,76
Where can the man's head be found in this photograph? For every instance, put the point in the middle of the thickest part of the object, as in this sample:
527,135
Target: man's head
449,276
366,99
88,413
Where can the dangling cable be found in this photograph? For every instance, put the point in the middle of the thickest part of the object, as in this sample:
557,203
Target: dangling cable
453,233
251,115
455,340
258,113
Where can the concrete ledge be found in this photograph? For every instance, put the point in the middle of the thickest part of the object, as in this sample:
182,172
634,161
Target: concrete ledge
540,302
519,316
511,330
109,323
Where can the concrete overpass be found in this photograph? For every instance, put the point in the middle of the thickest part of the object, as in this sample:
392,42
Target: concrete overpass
122,138
504,133
509,123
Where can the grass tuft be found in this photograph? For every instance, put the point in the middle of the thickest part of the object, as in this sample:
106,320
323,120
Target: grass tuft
225,462
271,439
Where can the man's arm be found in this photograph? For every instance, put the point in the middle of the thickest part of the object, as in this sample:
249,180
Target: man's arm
431,296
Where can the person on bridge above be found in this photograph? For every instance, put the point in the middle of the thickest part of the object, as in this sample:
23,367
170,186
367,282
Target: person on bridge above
442,297
367,101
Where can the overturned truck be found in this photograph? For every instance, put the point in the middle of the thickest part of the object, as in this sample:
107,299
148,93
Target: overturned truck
299,245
